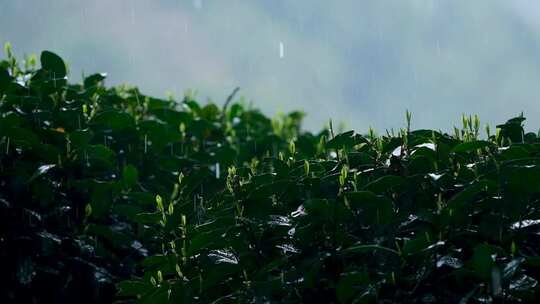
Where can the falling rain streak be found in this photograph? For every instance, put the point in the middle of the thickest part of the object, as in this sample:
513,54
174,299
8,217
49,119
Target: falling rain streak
208,43
132,15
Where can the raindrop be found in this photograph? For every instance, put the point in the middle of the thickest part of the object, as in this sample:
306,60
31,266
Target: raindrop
217,171
300,25
145,143
132,11
197,4
84,14
281,50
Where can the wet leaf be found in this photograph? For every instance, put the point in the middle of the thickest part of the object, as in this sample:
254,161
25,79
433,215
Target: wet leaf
130,175
53,63
471,146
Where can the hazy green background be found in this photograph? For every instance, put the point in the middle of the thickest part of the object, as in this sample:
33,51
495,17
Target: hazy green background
362,62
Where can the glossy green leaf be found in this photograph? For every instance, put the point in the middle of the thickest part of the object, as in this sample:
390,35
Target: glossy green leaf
471,146
372,208
94,79
130,175
53,63
482,262
5,79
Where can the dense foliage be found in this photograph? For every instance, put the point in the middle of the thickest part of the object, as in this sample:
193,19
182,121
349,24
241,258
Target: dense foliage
110,195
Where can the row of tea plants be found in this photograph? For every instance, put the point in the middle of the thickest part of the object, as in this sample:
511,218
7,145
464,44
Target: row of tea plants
107,195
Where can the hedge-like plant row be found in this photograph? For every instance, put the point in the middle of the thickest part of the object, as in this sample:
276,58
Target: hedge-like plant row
109,195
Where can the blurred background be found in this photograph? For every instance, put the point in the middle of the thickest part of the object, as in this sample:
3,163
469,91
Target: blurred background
358,62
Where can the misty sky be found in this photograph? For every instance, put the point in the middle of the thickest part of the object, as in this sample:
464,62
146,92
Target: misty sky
360,62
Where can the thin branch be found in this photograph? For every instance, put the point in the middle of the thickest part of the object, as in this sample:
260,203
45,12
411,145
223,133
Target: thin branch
229,99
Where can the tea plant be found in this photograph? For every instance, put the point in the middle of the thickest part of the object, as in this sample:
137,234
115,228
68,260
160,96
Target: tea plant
107,194
80,165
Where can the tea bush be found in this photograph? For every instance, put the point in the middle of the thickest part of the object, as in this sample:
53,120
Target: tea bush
107,194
